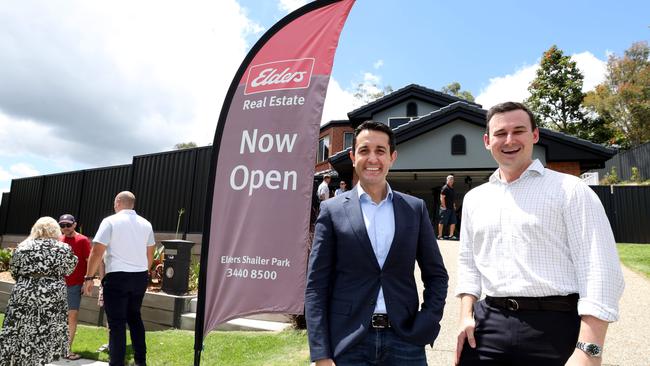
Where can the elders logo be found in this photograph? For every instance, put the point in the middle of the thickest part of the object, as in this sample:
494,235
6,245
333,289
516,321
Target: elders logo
278,75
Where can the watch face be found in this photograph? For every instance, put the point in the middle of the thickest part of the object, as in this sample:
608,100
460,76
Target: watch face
592,349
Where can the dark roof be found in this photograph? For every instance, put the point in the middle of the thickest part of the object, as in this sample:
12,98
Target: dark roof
336,122
412,91
560,146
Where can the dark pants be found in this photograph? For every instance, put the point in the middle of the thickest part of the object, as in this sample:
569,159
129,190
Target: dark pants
523,337
382,347
123,294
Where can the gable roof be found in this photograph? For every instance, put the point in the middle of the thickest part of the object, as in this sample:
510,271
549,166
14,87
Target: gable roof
559,146
335,122
411,91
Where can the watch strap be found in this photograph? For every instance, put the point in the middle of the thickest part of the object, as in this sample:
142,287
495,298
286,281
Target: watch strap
591,349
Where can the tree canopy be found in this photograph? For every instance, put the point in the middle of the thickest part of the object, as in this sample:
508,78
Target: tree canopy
185,145
623,100
454,89
556,92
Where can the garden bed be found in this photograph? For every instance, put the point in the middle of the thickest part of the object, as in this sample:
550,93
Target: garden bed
159,310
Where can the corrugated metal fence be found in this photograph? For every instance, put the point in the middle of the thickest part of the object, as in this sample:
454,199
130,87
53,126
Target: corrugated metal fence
638,157
166,182
628,210
163,184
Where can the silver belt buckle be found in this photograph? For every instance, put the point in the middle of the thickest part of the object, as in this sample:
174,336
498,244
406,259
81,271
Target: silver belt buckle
512,304
375,324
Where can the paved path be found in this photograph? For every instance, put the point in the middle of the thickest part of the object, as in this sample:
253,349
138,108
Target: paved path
626,343
78,363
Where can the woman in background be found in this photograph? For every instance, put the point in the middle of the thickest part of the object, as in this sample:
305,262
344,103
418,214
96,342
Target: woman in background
35,329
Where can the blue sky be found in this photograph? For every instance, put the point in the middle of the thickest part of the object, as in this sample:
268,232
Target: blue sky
90,84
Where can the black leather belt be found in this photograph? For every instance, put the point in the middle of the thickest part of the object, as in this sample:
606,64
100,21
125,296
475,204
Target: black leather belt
380,321
548,303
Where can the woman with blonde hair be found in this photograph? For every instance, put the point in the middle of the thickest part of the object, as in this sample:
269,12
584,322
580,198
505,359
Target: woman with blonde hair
35,329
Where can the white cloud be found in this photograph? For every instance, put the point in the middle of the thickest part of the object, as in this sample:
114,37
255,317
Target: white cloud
511,87
290,5
99,82
378,64
593,69
5,176
21,170
514,87
338,102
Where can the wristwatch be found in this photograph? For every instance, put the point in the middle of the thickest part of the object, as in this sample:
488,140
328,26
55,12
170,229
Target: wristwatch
591,349
89,278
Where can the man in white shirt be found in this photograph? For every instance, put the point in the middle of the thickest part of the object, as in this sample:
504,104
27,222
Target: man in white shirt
128,241
324,189
538,244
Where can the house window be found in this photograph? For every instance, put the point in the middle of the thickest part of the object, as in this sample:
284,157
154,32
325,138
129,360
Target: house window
458,145
411,109
323,149
394,122
347,139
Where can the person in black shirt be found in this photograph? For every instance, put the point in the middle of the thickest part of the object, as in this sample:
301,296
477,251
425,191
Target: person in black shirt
447,209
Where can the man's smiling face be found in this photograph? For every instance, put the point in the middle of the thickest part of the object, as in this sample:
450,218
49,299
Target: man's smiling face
372,158
511,141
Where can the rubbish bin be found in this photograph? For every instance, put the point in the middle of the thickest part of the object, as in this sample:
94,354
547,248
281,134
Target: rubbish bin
176,269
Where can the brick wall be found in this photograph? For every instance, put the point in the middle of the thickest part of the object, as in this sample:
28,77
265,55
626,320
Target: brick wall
568,167
336,134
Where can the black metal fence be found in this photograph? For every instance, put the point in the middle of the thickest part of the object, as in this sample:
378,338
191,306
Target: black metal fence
628,211
624,161
165,183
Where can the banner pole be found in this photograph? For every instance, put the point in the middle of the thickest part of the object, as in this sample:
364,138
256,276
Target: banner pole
223,116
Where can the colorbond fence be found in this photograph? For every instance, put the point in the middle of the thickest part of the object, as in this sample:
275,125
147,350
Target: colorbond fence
628,210
167,182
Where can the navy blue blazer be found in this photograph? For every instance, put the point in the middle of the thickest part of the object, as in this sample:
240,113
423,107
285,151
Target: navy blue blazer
344,276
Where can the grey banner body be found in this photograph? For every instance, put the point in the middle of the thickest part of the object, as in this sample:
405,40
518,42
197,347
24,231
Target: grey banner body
259,223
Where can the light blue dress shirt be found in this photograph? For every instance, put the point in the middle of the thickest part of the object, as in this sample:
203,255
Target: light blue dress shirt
380,225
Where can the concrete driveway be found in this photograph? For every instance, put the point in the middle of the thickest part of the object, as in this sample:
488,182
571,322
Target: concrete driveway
626,343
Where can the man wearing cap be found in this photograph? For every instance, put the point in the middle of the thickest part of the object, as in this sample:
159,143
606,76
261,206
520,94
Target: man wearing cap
81,248
128,241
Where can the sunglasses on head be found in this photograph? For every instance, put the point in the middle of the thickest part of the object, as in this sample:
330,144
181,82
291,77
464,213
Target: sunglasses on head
65,225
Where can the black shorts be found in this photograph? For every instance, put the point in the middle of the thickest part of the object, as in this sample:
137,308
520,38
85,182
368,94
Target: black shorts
447,216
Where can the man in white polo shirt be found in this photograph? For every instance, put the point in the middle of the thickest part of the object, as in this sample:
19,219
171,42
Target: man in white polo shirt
128,241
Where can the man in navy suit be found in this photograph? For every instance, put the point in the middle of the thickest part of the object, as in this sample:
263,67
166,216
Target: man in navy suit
361,301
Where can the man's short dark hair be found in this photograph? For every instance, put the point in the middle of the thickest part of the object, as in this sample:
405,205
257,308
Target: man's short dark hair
507,107
375,126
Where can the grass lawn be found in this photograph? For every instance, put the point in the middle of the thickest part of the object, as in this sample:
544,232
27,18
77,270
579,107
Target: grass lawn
176,347
636,257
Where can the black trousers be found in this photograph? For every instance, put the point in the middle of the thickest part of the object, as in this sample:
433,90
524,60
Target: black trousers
123,294
523,337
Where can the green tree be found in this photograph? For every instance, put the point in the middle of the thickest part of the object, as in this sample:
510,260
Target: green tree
366,93
556,92
454,89
623,100
185,145
595,129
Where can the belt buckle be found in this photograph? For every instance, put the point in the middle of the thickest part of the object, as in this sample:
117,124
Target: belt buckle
379,321
512,304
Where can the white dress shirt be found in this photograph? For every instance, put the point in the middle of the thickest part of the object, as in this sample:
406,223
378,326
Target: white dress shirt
323,191
126,236
544,234
380,225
